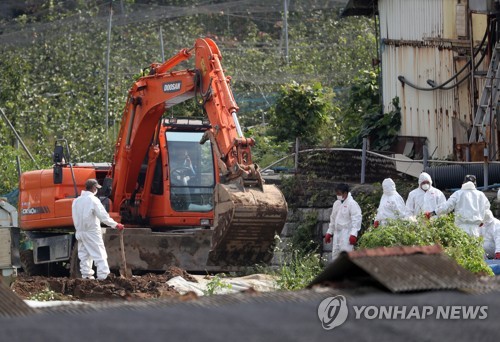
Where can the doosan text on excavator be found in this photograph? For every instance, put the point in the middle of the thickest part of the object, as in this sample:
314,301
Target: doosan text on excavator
186,188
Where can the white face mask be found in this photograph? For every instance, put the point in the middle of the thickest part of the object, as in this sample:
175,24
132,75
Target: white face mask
95,192
425,187
340,198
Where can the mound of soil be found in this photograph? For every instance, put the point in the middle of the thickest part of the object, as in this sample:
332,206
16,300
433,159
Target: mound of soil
173,272
138,287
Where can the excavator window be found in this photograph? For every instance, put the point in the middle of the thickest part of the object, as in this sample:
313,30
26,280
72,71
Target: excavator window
191,170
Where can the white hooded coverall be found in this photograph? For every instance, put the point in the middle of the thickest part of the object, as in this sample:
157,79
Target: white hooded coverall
420,201
88,213
392,205
490,232
345,221
470,206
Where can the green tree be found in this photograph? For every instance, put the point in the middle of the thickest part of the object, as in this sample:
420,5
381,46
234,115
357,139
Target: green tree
53,58
363,101
301,111
363,116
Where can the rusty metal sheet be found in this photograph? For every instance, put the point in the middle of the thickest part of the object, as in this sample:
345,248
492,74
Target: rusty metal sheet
420,42
398,269
432,114
393,251
416,272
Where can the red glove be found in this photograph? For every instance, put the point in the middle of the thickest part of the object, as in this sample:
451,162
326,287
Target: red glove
353,240
376,224
120,226
429,214
328,238
497,255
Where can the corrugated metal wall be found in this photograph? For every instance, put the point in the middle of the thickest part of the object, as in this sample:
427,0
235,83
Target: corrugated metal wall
425,113
411,19
417,43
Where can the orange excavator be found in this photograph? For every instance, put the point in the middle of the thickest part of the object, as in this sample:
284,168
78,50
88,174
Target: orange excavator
185,188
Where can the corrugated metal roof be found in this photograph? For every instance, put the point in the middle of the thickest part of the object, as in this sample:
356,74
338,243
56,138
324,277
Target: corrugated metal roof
11,305
393,251
416,272
399,269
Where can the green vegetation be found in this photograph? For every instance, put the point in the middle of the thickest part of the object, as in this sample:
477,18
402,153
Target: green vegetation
267,149
53,66
304,236
466,250
8,155
298,258
297,268
45,296
363,102
301,111
364,117
215,285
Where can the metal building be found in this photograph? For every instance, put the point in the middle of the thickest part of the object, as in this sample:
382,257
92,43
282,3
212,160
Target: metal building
423,44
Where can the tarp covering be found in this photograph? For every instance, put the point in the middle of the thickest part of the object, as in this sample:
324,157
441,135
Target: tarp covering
259,282
12,197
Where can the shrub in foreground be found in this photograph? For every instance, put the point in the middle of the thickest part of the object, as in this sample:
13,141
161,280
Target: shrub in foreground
464,249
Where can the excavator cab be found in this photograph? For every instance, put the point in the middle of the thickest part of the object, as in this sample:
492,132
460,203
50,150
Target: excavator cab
191,170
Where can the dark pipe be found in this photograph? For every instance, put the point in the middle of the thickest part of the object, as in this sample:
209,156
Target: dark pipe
452,176
442,86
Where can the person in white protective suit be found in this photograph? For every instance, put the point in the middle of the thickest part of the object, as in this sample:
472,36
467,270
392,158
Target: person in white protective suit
345,222
392,206
425,198
490,232
88,213
469,204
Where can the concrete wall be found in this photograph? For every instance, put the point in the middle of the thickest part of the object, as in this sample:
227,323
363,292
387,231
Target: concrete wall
294,218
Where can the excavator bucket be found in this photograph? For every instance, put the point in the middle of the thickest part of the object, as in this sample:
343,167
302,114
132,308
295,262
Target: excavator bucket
245,223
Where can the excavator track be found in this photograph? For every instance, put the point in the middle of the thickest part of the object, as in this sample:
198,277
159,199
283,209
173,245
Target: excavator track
245,223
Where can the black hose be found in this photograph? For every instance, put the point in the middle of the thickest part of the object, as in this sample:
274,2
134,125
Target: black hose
469,62
442,86
466,76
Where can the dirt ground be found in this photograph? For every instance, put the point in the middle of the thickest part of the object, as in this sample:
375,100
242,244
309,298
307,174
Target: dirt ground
138,287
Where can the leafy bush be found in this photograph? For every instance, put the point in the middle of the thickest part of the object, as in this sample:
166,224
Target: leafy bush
9,179
303,238
466,250
267,149
301,111
297,268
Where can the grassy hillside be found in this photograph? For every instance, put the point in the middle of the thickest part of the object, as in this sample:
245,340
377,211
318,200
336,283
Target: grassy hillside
53,54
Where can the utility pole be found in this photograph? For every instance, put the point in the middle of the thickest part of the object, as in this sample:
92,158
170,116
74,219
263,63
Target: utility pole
285,26
161,46
107,64
19,140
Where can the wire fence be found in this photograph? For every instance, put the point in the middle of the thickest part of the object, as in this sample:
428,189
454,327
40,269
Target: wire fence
445,173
